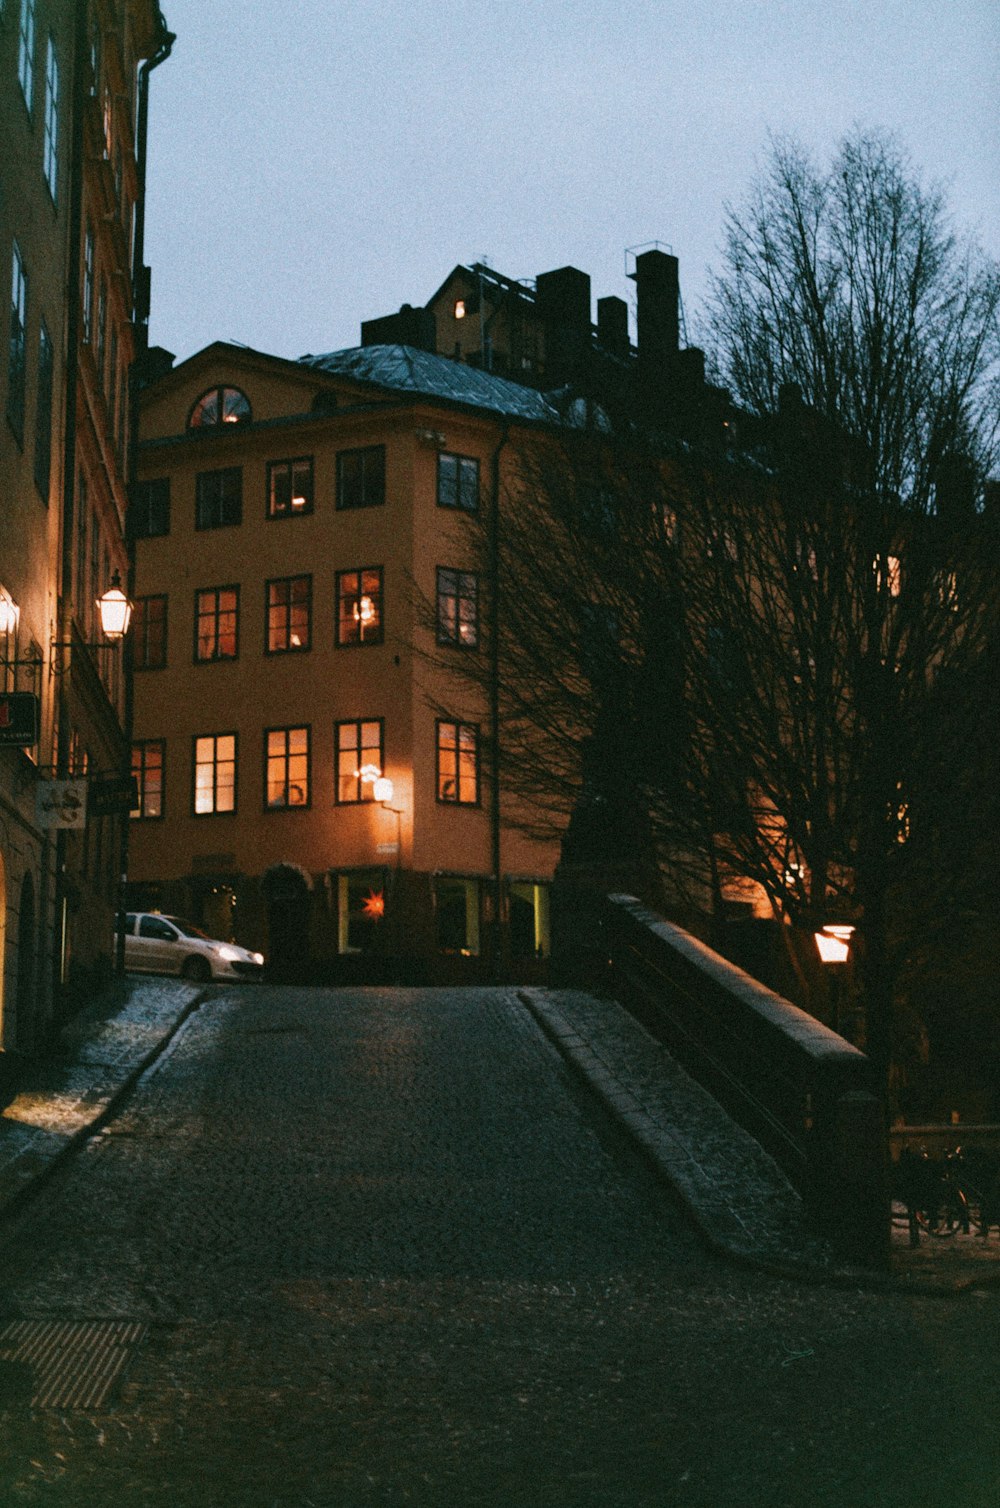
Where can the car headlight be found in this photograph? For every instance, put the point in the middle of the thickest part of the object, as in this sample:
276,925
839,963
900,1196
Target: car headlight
230,955
257,958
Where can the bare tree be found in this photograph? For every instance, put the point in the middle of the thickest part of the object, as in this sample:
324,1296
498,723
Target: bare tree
769,646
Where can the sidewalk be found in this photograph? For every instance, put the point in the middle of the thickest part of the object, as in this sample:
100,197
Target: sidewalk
733,1191
49,1105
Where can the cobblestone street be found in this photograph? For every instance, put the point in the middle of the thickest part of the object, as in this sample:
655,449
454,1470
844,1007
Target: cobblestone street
388,1251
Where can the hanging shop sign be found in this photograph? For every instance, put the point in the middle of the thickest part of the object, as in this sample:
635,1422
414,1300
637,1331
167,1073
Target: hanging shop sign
61,803
110,795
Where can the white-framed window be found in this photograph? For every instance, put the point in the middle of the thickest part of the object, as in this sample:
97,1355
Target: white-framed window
50,153
26,51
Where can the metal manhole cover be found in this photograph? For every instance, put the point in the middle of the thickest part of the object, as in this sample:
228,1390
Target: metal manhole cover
74,1365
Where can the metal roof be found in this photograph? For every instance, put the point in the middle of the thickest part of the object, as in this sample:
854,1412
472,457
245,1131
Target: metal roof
405,369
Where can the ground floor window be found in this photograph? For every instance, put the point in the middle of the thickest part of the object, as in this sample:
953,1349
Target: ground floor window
360,910
529,919
456,911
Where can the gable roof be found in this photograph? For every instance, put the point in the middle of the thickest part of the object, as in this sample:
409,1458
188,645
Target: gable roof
404,369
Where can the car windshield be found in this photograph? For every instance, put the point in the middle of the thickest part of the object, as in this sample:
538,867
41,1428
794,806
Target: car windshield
188,929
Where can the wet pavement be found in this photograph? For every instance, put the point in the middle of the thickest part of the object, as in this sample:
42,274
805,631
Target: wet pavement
387,1246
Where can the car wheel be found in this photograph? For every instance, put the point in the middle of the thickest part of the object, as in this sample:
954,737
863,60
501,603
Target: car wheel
197,969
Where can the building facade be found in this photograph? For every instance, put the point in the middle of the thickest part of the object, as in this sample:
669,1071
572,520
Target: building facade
303,535
72,88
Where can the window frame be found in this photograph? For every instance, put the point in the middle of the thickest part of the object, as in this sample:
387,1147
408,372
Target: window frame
345,485
220,503
365,791
214,764
154,503
143,627
26,52
287,607
461,461
17,355
140,773
290,511
50,146
452,636
440,775
219,391
346,618
215,615
286,756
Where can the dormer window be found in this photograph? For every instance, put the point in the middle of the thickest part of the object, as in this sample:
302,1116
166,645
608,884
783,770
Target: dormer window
220,405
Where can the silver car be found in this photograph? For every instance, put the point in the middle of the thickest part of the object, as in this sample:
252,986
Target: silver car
158,944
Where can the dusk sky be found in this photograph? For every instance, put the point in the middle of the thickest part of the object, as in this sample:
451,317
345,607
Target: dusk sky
312,165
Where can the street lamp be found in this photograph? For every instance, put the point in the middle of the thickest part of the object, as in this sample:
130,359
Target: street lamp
115,611
833,943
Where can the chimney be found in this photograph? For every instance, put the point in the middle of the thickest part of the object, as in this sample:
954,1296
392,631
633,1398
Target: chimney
612,326
410,327
562,301
658,295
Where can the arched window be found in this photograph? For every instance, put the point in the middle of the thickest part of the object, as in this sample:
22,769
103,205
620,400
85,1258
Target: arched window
220,405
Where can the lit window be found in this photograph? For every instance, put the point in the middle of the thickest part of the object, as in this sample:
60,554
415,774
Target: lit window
219,498
289,614
217,623
18,338
359,606
290,487
287,756
214,774
460,308
457,608
361,477
50,155
359,758
148,758
457,482
149,633
26,50
458,763
220,405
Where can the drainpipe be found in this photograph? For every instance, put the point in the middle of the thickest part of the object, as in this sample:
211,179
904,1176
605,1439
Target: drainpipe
140,345
496,950
61,662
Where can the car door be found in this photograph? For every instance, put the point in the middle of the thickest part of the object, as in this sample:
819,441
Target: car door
159,946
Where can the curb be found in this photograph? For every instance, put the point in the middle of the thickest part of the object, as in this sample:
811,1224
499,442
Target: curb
649,1141
39,1167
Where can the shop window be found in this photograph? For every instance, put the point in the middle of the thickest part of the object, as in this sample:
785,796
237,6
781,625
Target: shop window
360,910
456,912
529,928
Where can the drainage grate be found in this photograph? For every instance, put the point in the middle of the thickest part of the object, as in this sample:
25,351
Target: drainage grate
73,1365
